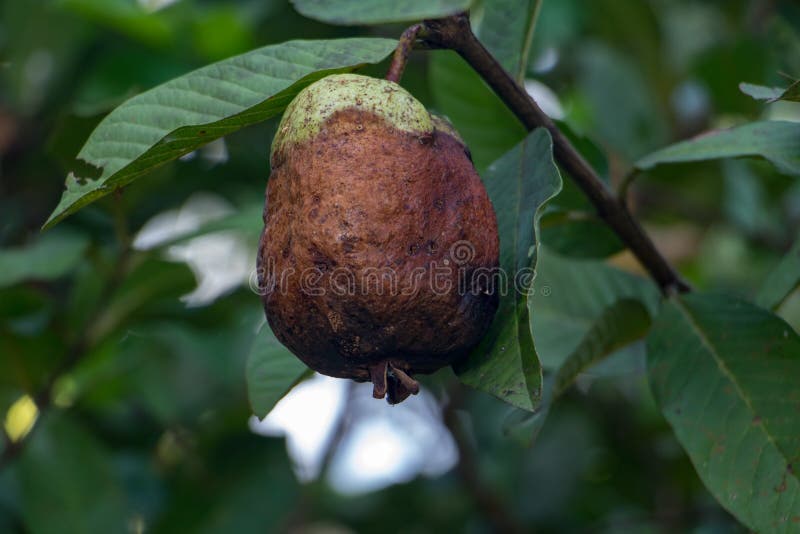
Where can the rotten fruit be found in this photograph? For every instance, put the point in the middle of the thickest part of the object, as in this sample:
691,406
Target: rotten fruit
380,244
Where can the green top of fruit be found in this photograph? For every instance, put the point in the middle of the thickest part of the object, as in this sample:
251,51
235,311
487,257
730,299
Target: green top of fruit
316,103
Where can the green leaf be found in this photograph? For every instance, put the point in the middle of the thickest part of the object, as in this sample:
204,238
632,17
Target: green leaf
724,373
355,12
66,469
775,141
487,126
782,281
579,234
571,295
624,112
271,372
175,118
620,324
47,258
507,32
505,364
772,94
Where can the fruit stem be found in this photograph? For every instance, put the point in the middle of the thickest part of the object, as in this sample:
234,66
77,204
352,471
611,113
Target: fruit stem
391,382
401,53
401,386
455,34
377,374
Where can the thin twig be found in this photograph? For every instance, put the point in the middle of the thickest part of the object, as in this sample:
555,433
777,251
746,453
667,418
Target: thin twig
340,429
625,185
401,53
455,33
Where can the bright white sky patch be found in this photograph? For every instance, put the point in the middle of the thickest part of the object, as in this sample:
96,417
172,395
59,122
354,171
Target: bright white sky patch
546,61
391,444
546,98
306,416
220,261
383,445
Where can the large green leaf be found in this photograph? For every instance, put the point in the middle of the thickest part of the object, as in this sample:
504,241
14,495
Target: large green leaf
507,32
570,297
622,323
582,312
271,372
47,258
781,281
772,94
776,141
725,375
622,109
488,127
183,114
354,12
505,363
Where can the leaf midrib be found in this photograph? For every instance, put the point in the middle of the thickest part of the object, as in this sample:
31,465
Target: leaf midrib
514,249
723,367
527,42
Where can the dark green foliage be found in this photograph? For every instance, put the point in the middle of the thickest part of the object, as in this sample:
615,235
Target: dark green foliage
610,407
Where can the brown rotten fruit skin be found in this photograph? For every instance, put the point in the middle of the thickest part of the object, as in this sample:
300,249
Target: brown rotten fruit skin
379,238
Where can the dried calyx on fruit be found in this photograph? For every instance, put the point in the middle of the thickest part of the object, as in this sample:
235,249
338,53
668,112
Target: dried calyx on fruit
380,247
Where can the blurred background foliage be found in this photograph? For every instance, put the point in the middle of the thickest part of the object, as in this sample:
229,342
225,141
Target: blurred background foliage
146,421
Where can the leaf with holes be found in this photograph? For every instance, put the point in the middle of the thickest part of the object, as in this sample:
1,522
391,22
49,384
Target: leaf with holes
505,363
175,118
725,374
